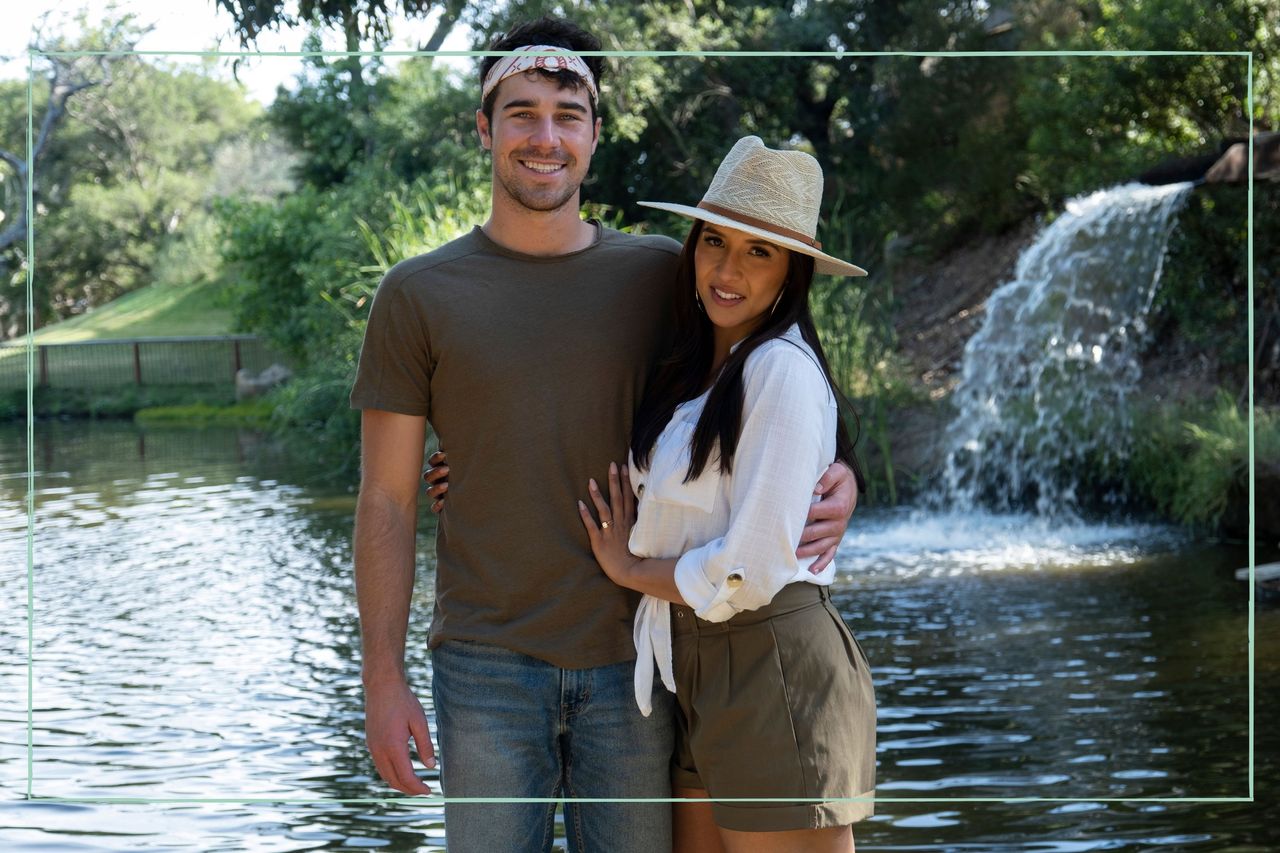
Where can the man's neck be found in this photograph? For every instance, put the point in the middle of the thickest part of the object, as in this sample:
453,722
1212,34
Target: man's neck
547,234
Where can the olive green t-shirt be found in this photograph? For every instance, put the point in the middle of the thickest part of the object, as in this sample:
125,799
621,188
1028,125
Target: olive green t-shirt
529,370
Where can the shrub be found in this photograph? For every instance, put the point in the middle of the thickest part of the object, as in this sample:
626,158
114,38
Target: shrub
1196,456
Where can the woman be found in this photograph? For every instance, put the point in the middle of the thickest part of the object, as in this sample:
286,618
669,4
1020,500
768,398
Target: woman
774,693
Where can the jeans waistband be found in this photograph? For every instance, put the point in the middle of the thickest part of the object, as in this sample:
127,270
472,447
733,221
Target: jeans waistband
793,596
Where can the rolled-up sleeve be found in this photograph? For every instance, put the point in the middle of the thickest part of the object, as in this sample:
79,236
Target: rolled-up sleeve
787,441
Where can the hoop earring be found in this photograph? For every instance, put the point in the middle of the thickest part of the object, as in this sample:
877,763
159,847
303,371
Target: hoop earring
779,299
698,298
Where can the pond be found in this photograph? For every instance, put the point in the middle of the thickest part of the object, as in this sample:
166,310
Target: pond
196,675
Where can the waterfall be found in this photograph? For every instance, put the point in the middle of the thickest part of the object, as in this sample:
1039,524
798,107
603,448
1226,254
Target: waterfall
1045,382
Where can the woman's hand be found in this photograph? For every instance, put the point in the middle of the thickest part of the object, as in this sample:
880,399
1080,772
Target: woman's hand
609,538
437,480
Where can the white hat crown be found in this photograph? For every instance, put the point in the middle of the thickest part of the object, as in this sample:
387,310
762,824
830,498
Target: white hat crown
779,187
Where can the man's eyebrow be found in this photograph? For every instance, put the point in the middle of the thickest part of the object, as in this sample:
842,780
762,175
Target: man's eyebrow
525,103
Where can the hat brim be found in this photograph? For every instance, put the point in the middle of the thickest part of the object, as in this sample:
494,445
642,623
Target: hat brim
823,263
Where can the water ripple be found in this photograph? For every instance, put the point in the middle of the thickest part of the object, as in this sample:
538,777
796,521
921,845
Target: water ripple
198,638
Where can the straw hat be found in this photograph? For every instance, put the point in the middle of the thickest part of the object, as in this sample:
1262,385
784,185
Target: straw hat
774,195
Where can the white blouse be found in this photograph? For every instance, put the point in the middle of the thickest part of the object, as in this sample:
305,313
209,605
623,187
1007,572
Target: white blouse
735,534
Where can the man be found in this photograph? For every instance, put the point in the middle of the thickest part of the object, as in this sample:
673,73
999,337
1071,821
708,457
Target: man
526,343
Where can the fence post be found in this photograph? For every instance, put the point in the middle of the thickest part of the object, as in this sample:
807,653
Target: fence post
236,369
137,364
44,365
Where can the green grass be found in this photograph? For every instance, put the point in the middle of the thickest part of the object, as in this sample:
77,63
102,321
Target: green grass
160,310
251,413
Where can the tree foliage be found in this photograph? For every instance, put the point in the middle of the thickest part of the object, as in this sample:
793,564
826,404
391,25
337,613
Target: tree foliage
934,150
292,257
128,167
1099,120
357,19
924,152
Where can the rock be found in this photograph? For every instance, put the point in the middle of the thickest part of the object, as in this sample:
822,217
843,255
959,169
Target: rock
1233,166
248,385
1266,499
1179,169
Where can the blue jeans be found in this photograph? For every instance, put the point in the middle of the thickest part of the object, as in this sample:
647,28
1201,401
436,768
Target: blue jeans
510,725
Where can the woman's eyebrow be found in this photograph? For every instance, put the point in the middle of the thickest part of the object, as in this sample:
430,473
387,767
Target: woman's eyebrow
755,241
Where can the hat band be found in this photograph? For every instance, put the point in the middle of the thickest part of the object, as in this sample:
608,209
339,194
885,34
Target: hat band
761,224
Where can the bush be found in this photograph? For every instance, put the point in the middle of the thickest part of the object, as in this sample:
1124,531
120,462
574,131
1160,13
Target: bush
118,402
1202,304
1196,456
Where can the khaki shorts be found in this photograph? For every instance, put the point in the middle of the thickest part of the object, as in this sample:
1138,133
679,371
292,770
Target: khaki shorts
775,703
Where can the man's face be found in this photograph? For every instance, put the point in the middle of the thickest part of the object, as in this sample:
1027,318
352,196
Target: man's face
542,138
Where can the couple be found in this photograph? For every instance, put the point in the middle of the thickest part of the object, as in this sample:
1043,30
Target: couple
542,347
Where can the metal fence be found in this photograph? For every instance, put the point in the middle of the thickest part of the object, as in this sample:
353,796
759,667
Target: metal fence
141,361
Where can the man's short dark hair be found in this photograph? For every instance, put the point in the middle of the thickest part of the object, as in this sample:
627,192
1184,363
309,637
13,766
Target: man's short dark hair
556,32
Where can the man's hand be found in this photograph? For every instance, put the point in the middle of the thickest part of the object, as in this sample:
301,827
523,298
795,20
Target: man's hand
829,518
437,479
393,715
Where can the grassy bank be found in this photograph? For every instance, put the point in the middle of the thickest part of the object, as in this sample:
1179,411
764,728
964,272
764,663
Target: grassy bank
122,401
184,383
159,310
247,413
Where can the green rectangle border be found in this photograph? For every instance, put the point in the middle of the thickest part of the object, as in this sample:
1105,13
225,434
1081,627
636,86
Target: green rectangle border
30,353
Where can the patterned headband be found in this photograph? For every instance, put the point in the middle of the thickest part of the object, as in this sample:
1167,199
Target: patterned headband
538,56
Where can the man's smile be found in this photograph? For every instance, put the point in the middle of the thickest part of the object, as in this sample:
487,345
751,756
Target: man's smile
543,167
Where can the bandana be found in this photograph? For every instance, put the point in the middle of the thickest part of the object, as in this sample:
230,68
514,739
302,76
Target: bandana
536,56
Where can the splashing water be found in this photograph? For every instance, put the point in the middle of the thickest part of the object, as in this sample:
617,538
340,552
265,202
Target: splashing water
1045,382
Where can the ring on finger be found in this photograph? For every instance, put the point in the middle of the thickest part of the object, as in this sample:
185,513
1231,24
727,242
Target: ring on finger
605,525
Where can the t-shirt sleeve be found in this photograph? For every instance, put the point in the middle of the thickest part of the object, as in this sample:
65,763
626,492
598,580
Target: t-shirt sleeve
395,367
788,419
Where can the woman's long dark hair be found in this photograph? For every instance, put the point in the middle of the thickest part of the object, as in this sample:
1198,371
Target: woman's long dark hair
682,374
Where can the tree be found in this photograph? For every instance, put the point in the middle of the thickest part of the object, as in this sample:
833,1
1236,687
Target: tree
418,122
293,258
359,21
670,120
1099,120
64,78
64,82
155,135
356,19
122,170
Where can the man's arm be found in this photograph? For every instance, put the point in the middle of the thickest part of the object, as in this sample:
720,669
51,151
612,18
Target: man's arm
386,521
829,518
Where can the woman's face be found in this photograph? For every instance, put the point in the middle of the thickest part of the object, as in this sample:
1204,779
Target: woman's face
739,277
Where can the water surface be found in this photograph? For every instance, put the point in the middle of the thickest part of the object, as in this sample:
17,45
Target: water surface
196,638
